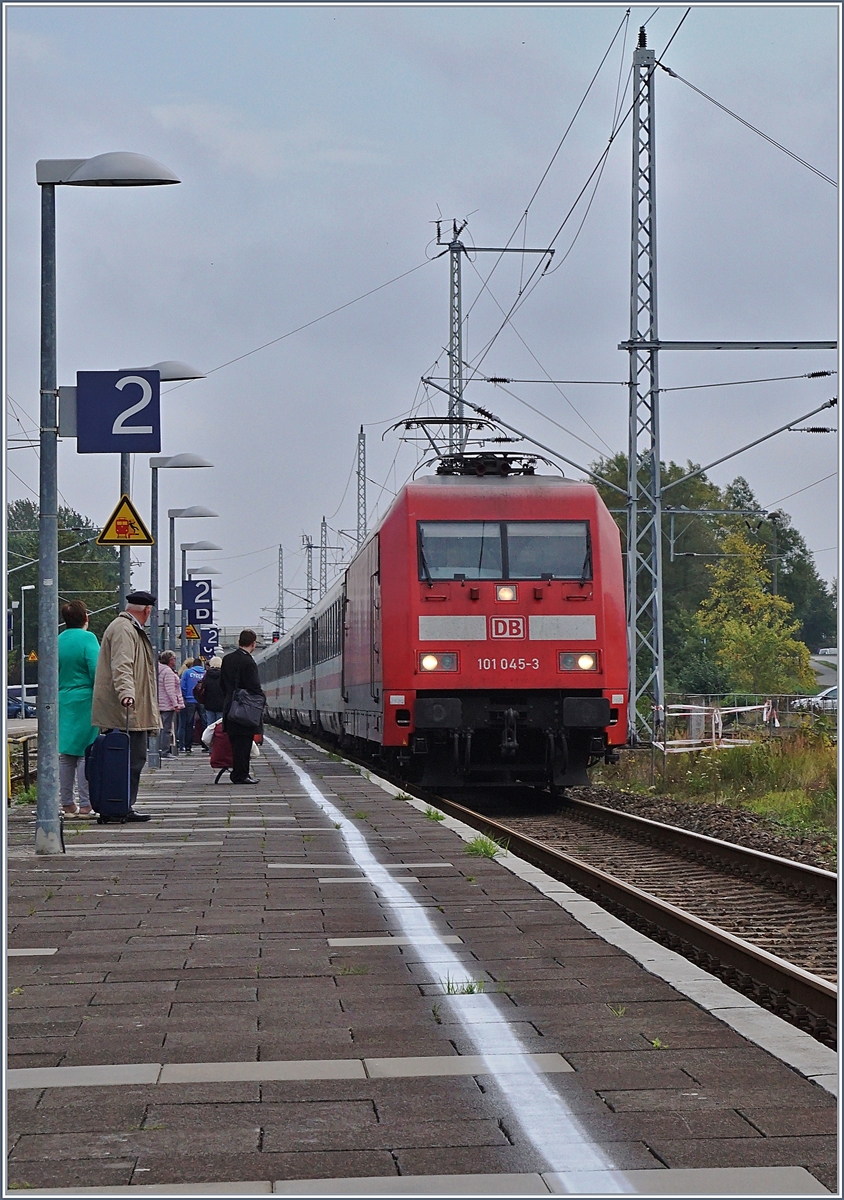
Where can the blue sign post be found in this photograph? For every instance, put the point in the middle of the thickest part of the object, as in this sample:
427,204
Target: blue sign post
209,643
118,412
196,598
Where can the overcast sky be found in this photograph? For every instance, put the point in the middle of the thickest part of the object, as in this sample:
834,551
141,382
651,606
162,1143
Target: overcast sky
316,146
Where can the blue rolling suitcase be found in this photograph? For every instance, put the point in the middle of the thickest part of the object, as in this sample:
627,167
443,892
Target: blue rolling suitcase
107,772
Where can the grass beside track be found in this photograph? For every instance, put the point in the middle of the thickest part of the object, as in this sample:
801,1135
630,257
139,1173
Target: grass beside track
791,780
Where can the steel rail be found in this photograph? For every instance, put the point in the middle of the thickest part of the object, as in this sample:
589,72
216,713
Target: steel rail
798,995
767,868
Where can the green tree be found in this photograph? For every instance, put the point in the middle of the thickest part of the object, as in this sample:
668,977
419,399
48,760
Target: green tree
752,631
86,572
797,578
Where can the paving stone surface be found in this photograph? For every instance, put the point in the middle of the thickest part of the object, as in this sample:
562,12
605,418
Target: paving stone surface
179,951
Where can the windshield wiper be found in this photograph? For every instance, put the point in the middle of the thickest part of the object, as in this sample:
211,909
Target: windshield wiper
424,562
587,565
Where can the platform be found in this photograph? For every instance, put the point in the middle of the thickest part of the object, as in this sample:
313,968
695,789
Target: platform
310,987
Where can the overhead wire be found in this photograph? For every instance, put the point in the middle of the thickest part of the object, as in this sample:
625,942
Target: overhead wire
533,280
308,324
591,428
691,387
831,475
545,173
747,124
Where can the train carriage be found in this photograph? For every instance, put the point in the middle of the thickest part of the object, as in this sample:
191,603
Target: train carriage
477,638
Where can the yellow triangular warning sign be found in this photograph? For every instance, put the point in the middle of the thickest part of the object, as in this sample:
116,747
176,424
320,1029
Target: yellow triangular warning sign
192,634
32,656
125,527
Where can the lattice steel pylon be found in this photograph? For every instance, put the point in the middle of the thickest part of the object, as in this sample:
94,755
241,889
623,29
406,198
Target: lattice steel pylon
323,558
308,543
644,500
361,487
457,435
279,608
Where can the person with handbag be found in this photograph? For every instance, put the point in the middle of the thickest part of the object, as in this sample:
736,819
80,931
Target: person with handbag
243,708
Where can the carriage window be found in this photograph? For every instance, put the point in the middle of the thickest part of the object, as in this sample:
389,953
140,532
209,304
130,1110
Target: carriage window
543,549
460,549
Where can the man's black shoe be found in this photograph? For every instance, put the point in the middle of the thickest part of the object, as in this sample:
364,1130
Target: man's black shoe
248,779
136,816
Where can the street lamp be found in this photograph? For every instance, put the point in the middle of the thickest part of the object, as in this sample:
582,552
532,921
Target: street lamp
27,587
185,547
175,460
170,371
120,169
196,510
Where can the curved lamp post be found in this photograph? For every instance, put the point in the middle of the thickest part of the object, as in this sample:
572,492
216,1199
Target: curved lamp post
185,547
196,510
156,463
120,169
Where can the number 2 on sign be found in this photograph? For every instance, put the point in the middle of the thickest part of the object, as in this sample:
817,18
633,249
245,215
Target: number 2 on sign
508,664
119,425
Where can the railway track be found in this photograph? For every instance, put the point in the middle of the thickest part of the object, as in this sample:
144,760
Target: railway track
764,925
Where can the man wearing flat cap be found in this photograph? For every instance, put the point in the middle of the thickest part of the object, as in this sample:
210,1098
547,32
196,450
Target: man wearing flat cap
127,678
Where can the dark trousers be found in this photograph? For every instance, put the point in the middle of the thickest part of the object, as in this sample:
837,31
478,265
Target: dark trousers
186,724
137,761
241,749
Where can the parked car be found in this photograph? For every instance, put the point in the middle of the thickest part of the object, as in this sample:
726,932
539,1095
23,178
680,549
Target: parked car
826,701
13,708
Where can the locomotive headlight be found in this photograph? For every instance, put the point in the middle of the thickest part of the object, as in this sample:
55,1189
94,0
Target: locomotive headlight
438,662
506,591
578,660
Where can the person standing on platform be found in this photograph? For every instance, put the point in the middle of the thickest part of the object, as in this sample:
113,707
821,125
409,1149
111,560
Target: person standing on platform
78,653
127,679
239,670
209,692
170,699
191,676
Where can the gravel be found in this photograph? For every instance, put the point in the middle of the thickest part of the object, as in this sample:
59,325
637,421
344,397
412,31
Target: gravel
722,821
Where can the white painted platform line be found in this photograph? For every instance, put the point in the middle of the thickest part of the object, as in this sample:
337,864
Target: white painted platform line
34,951
694,1181
539,1109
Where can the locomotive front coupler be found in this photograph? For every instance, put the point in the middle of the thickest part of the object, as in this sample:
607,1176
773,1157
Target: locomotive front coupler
509,741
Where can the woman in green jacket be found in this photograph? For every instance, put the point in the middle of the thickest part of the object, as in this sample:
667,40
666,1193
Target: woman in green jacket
78,651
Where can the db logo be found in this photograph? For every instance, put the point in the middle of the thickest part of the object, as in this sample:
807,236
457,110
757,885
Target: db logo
507,627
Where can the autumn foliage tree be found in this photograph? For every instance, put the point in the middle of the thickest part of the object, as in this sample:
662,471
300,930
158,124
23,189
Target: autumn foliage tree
751,632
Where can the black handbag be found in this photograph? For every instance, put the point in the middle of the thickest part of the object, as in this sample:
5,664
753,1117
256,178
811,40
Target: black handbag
246,708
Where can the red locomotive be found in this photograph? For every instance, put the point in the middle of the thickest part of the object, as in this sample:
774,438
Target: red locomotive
477,638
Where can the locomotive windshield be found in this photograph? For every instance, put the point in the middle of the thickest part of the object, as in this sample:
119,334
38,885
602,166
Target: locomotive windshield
504,550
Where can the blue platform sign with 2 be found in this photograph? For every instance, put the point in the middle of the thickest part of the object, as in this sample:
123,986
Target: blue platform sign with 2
196,598
118,412
209,642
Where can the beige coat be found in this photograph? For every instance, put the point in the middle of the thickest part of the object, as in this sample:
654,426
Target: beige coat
126,667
